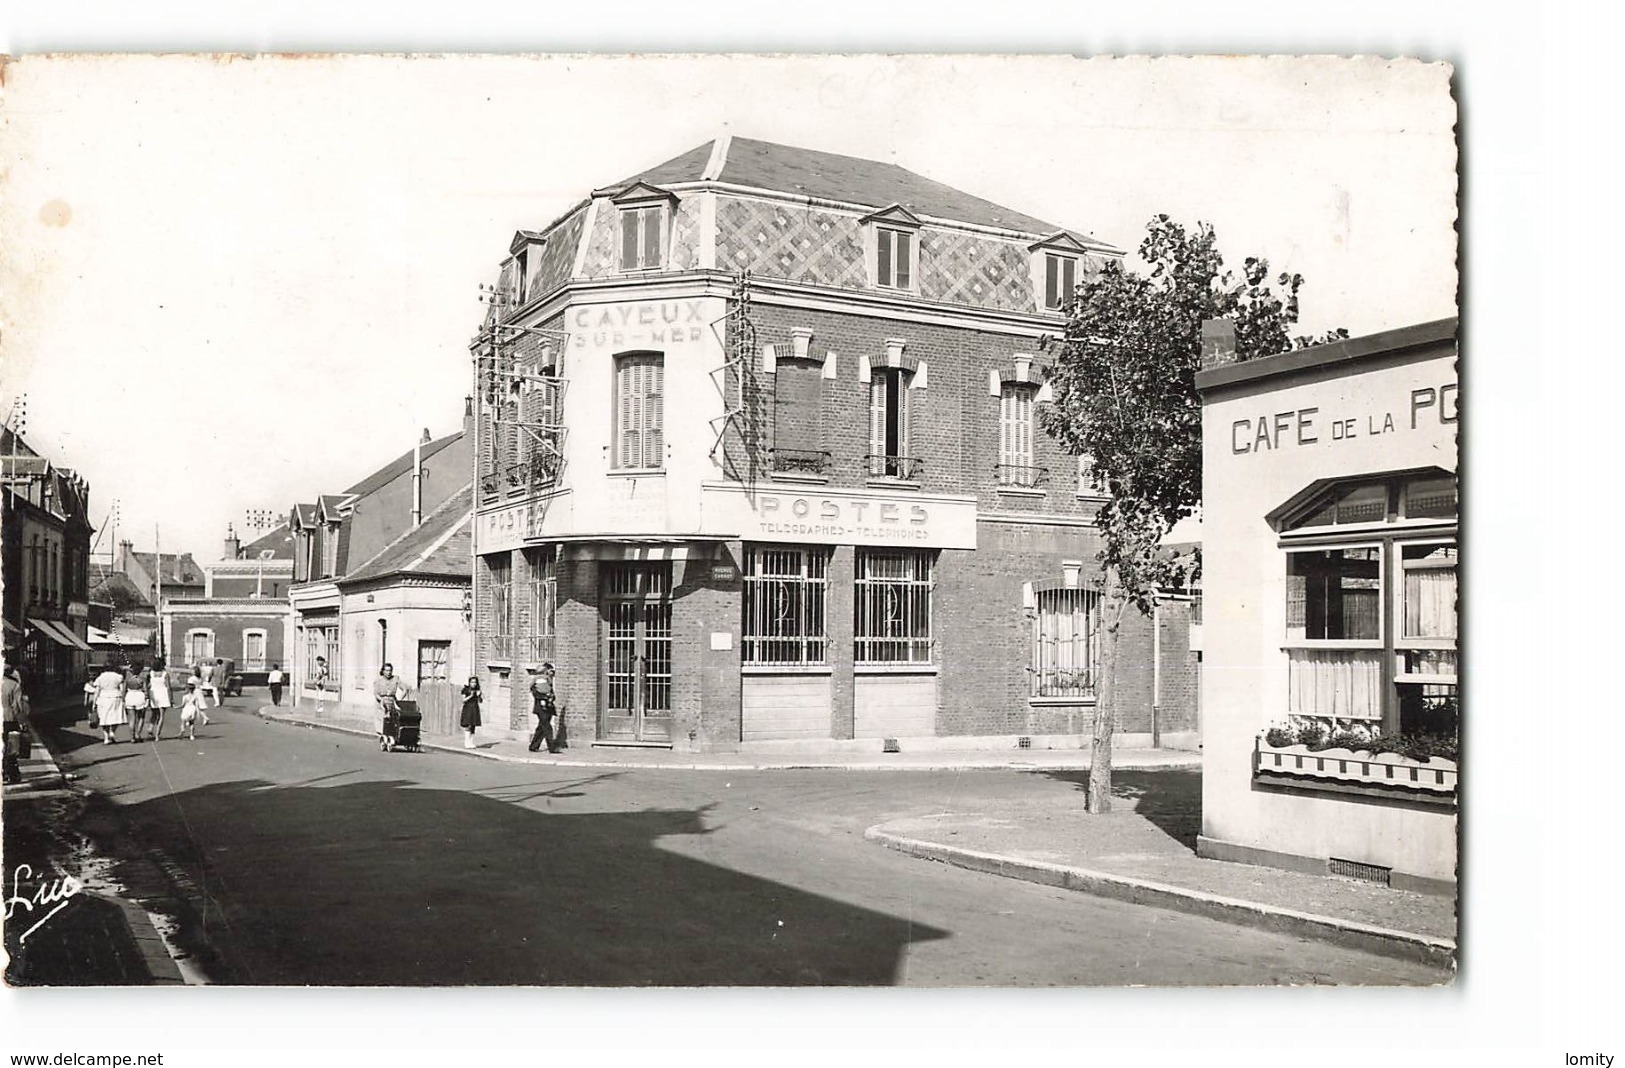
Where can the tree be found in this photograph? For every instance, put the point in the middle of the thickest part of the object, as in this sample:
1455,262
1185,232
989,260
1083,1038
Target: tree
1124,384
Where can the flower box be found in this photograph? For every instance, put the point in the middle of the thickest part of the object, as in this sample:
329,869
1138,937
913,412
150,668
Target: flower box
1435,776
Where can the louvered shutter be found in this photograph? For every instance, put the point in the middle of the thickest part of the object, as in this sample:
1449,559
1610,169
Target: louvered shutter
629,240
877,415
628,452
651,237
654,414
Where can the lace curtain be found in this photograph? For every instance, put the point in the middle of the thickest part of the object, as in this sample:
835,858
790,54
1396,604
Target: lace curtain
1430,603
1346,683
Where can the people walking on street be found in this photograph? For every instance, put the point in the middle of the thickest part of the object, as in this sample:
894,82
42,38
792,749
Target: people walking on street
15,704
158,699
387,690
110,714
196,682
136,700
210,674
274,681
544,703
470,719
191,708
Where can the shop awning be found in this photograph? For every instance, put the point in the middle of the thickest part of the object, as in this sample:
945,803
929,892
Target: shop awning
45,628
67,632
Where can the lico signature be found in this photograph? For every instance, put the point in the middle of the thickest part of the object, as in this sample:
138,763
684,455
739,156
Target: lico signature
56,893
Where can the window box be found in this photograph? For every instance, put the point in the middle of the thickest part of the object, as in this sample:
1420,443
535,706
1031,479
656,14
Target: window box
1435,776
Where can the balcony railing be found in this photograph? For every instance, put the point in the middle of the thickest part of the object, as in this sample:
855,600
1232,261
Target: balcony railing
907,468
1020,476
799,461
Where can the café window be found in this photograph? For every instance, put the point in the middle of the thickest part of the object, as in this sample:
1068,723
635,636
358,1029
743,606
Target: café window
1371,622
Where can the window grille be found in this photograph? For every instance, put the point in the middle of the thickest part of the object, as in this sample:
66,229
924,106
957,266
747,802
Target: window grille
892,608
784,602
1066,643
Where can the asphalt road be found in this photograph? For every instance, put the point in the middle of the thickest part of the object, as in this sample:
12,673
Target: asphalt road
309,857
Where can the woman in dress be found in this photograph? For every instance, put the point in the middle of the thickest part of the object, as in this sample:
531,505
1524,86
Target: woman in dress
136,700
110,714
158,696
470,720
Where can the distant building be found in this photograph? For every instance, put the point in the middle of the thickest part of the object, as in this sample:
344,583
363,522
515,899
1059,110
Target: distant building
360,594
240,613
1331,682
45,560
182,577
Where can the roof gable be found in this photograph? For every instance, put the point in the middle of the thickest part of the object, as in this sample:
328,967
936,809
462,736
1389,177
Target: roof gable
896,215
439,545
639,191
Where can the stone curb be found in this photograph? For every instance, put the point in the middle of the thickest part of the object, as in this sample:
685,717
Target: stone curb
1404,945
784,764
755,765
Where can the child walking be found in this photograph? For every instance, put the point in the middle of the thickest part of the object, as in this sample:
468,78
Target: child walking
470,720
191,708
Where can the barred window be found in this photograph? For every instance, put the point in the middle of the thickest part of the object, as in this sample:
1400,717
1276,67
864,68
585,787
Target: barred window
1066,643
499,571
784,606
892,609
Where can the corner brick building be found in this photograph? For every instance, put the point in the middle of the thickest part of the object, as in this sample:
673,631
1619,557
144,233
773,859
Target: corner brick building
757,461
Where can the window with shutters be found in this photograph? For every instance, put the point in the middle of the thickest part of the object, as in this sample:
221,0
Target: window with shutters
888,425
642,234
254,650
1015,466
639,411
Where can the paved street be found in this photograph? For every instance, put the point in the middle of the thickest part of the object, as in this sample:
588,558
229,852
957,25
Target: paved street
310,857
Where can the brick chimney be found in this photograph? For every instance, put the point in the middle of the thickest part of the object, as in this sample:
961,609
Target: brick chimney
1218,342
124,548
234,547
468,415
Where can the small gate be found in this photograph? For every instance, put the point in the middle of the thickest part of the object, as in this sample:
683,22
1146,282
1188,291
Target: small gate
441,705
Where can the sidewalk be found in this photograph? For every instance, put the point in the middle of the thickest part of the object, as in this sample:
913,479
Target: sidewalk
1144,852
508,745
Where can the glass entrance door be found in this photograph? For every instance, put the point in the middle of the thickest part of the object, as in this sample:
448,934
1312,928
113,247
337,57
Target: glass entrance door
637,653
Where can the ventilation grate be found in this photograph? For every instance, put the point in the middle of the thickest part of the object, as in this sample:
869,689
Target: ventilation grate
889,745
1353,869
1024,742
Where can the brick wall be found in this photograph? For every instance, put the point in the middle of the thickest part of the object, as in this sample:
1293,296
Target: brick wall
953,420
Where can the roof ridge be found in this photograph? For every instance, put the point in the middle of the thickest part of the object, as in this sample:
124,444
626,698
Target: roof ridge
408,532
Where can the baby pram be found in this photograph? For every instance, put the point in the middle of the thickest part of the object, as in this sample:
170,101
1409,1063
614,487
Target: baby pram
403,729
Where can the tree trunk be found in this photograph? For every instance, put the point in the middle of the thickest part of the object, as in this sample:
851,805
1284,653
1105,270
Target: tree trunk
1100,753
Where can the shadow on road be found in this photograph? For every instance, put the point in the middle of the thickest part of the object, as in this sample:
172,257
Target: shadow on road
390,883
1169,798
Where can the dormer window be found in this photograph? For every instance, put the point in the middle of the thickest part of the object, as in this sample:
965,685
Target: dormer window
893,238
1060,279
641,232
894,264
645,222
1060,262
